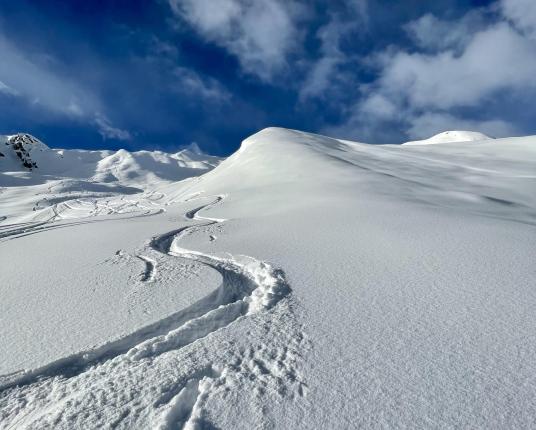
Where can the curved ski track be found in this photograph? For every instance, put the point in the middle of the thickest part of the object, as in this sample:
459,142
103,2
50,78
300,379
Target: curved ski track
248,286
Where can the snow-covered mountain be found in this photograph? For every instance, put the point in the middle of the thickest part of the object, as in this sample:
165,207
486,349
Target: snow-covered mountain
304,282
34,177
20,151
23,152
451,136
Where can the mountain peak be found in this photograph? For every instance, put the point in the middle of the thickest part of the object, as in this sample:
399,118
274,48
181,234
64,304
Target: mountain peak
21,146
451,136
194,148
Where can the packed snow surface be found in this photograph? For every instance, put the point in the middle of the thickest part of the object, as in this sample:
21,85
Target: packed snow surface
304,282
451,136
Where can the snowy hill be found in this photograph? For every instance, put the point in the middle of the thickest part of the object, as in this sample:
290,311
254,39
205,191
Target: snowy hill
451,136
23,152
304,282
34,177
20,151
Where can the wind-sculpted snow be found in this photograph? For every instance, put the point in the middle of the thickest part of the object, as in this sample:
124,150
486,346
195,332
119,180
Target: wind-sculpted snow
61,394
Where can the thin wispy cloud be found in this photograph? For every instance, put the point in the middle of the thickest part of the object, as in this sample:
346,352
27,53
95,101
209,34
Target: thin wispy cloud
23,77
191,83
44,89
5,89
108,131
324,73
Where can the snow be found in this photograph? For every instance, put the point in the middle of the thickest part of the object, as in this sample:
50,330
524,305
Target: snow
304,282
65,181
451,136
138,167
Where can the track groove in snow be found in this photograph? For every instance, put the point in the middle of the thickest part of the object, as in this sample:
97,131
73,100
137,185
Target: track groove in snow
248,287
150,268
184,409
14,231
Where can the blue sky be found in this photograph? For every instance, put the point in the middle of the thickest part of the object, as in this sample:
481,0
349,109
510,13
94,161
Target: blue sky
161,74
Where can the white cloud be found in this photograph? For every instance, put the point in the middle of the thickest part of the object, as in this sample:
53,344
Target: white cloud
460,67
430,32
522,13
496,58
320,77
23,77
324,73
208,88
5,89
261,34
378,106
40,86
107,131
210,19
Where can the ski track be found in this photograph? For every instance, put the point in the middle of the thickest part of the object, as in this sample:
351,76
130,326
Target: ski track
14,231
149,273
248,286
26,229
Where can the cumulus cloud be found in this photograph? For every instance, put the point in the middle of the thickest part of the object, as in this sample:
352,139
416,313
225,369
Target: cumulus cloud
261,34
496,58
431,33
460,66
522,13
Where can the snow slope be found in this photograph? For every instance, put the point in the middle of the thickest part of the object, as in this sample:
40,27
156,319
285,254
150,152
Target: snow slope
305,282
451,136
58,176
22,153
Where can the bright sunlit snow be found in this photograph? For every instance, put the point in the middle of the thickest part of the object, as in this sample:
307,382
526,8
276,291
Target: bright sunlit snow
451,136
303,282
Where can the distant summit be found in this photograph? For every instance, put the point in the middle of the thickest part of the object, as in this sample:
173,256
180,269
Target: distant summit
20,149
193,147
24,156
451,136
